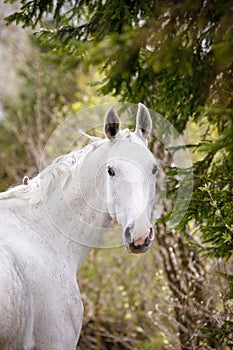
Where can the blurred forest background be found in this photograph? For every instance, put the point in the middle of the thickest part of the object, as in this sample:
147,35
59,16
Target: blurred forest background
60,56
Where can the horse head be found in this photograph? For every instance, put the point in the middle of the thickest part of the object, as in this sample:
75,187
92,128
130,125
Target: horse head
130,171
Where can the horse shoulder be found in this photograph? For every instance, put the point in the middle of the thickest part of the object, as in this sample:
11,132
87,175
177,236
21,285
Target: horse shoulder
58,311
15,302
57,302
40,302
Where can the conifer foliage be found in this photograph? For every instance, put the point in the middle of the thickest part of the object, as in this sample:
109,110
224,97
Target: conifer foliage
177,58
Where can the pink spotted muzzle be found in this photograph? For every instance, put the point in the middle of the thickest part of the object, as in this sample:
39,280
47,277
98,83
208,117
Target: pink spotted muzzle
139,244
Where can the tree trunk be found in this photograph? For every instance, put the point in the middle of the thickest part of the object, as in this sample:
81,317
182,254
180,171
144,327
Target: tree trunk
185,273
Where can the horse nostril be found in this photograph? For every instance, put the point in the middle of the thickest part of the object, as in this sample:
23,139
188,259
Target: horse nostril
151,234
128,236
147,241
150,237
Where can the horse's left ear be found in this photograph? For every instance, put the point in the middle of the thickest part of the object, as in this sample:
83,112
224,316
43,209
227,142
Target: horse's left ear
111,124
143,122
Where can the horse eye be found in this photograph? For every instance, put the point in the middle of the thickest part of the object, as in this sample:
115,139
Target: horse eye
110,171
155,169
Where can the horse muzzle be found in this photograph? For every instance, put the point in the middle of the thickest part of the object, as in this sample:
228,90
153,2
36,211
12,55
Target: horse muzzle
139,244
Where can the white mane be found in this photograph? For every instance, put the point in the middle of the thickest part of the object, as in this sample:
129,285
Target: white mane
42,184
61,169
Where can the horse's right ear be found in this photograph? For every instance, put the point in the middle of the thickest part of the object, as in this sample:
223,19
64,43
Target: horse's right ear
143,122
111,124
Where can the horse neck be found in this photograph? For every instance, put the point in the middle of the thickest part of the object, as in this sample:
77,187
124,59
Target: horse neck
73,217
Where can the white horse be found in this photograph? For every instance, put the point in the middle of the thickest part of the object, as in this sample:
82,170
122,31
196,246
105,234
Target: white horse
49,224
